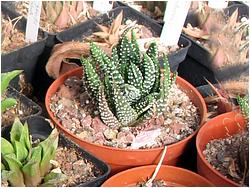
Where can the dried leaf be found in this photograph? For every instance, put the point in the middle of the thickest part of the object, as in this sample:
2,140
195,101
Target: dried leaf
68,50
195,32
58,7
51,13
103,28
79,7
233,19
101,34
63,18
116,23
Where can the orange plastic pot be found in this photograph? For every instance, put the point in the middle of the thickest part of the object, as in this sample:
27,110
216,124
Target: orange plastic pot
174,176
121,159
219,127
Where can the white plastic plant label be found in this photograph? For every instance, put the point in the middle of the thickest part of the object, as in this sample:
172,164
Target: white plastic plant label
174,18
102,6
33,21
217,4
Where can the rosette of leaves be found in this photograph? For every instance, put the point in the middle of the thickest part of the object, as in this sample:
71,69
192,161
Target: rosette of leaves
134,87
7,103
25,165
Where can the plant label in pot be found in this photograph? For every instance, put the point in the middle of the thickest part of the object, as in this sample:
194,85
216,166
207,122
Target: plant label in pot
33,21
174,18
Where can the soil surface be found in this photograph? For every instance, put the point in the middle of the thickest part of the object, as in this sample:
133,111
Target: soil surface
76,111
77,169
230,156
159,183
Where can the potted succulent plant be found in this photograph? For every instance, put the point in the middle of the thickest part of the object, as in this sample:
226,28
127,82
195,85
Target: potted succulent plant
13,103
223,148
168,176
128,98
34,154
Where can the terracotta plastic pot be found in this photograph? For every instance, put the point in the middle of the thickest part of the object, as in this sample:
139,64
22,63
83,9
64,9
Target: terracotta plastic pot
176,177
219,127
121,159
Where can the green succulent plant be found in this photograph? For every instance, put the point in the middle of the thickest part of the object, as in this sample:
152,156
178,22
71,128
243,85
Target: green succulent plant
25,165
7,103
244,105
133,88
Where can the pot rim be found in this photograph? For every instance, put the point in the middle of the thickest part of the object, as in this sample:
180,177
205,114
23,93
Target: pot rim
200,153
74,71
135,169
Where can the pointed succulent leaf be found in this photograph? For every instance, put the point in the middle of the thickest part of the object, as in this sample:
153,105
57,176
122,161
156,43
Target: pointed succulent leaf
49,147
244,105
152,52
115,76
145,103
7,103
21,151
165,86
125,50
15,176
132,94
16,131
135,77
54,179
31,170
7,77
115,57
6,147
91,77
124,112
25,137
149,75
97,55
135,47
106,114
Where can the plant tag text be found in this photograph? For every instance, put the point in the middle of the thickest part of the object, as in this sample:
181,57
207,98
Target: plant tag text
33,21
174,18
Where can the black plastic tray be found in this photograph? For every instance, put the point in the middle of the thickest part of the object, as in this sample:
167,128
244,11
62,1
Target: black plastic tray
78,32
40,128
195,72
24,58
197,51
36,110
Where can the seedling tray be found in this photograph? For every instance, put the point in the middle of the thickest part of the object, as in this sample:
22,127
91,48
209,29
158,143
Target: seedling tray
35,109
24,58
